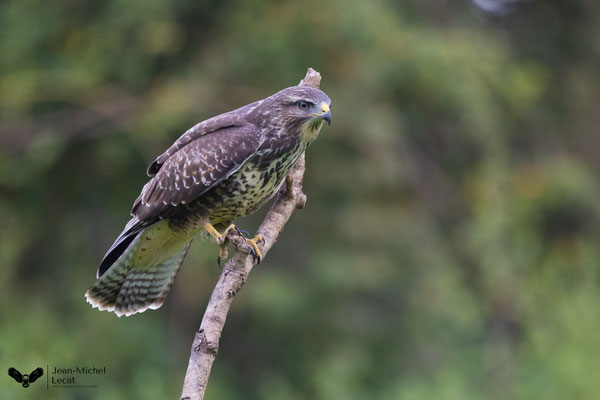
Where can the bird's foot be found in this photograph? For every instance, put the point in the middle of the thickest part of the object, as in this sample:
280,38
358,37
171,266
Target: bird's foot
221,240
241,232
255,250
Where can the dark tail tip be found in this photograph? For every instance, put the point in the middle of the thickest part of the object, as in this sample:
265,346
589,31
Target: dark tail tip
115,252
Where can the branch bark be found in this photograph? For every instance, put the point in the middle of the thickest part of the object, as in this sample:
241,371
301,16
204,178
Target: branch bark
235,272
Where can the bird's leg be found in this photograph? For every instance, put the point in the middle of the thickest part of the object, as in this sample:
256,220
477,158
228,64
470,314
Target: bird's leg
221,240
255,250
254,247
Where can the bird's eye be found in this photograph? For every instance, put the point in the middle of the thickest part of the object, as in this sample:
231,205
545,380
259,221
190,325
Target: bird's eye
303,105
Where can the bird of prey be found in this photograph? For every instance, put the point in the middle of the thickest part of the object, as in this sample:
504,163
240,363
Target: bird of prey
222,168
26,379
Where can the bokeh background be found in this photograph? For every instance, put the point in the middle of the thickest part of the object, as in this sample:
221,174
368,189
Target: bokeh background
449,247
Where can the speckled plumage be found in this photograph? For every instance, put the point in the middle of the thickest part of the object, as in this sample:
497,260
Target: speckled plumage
221,169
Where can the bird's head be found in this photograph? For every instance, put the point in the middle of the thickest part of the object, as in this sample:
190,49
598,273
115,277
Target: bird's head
303,109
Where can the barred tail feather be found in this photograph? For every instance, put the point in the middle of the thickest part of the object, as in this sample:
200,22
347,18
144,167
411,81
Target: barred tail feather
126,290
105,290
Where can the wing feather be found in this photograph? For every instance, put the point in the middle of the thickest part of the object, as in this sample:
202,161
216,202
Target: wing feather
231,119
195,168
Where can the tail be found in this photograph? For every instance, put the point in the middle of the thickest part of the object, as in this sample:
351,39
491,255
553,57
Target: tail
126,289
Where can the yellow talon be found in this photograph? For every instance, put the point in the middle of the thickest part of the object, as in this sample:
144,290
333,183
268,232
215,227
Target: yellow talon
220,238
255,250
221,241
259,238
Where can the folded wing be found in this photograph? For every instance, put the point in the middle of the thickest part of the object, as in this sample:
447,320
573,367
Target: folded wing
194,169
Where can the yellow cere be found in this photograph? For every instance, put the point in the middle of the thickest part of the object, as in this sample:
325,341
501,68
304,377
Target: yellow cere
324,108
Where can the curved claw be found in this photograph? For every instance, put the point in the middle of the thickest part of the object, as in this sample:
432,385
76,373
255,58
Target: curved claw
241,232
254,250
259,238
221,239
255,256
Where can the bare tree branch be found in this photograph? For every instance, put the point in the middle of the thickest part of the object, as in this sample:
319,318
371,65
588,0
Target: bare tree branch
236,270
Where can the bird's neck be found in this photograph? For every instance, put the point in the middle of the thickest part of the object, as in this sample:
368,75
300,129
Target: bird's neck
309,131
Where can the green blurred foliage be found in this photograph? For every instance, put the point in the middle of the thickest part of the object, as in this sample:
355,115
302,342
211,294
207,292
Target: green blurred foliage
449,247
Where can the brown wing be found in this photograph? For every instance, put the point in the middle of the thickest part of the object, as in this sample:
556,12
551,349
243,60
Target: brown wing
231,119
195,168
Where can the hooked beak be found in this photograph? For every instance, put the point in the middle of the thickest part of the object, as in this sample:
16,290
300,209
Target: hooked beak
326,113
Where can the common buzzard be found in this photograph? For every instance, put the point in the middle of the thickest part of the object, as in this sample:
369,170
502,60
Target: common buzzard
222,168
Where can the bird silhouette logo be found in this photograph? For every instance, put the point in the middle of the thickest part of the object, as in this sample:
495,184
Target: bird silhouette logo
26,379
